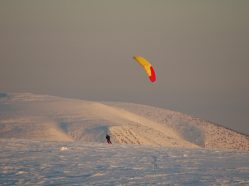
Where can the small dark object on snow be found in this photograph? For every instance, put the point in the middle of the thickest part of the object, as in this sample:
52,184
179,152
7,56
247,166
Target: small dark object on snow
108,138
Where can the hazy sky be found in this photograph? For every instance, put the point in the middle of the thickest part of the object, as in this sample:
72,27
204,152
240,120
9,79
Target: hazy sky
83,49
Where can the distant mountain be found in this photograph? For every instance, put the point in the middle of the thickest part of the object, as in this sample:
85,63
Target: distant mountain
43,117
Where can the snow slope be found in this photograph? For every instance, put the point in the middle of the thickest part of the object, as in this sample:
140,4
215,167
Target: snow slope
43,117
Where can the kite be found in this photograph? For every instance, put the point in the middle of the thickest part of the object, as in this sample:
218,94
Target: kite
147,67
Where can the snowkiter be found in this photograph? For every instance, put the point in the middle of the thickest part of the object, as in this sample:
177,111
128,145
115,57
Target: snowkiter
108,139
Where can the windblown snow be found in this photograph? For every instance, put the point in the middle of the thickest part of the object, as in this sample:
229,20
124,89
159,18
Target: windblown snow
48,140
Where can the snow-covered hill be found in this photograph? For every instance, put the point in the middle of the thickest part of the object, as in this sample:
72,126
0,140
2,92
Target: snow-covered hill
43,117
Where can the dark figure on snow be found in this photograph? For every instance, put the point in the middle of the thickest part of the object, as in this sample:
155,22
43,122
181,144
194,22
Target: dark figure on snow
108,138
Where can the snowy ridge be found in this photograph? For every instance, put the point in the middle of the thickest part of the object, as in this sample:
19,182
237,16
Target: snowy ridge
43,117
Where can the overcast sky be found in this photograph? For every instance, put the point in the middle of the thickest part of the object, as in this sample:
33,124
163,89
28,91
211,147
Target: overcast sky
83,49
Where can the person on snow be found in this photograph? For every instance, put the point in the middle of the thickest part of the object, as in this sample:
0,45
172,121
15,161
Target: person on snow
108,139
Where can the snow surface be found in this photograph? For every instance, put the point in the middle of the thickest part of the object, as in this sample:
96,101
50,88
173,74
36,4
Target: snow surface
29,162
47,140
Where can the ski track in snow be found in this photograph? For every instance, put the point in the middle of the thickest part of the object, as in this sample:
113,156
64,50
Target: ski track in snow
29,162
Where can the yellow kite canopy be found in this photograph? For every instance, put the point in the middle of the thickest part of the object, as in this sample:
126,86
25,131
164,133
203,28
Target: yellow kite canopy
147,67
